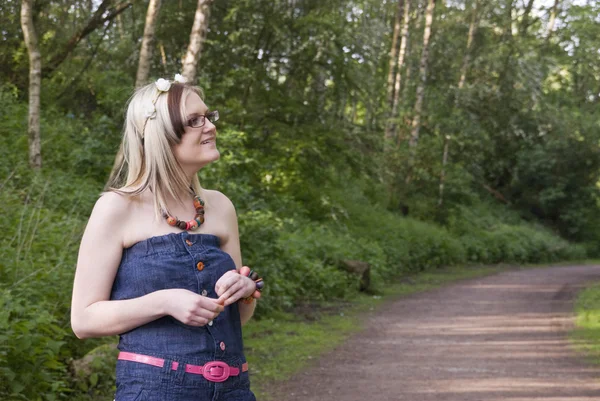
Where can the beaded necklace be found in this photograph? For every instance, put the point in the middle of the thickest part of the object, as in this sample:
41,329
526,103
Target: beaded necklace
192,224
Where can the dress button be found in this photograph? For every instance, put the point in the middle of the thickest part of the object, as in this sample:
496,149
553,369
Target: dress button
200,266
222,345
210,323
204,292
188,242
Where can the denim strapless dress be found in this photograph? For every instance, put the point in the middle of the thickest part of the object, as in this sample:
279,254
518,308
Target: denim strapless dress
194,262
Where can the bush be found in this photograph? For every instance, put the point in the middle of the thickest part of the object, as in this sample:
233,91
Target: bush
294,236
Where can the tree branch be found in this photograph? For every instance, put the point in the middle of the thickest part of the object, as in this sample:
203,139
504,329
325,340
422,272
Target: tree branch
495,193
95,22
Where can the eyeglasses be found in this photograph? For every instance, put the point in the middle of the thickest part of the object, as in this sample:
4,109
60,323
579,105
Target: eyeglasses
199,121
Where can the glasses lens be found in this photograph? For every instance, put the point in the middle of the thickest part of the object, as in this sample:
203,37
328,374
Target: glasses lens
197,122
213,116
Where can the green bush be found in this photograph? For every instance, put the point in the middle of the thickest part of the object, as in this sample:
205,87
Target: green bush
293,232
32,364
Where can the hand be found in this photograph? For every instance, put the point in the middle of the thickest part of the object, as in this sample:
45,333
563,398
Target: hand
191,308
233,286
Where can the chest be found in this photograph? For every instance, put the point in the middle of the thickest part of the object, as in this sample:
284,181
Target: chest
143,224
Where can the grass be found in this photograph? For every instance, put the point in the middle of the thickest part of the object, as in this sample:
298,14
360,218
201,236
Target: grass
586,336
279,346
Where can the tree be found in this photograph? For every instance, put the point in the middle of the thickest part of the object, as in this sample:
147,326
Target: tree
551,21
398,80
393,53
416,123
103,14
147,43
461,82
35,83
197,36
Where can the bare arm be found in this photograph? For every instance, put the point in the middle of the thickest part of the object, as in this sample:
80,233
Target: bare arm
232,247
93,314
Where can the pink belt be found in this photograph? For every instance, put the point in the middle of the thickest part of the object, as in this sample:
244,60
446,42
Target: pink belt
215,371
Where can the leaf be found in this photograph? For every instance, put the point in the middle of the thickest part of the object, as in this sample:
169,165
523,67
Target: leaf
94,379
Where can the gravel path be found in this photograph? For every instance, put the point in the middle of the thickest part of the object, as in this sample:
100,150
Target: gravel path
502,337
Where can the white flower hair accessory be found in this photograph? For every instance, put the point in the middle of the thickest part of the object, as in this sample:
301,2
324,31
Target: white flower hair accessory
180,78
163,85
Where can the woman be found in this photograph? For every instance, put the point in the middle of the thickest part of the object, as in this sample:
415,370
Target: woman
169,287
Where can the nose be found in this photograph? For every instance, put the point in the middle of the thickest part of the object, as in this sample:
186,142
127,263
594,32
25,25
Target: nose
209,126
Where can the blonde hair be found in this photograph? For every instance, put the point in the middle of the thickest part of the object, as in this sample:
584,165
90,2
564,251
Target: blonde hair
145,160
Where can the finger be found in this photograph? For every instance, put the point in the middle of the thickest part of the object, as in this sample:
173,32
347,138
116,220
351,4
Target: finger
244,271
223,283
218,302
210,304
204,314
235,297
231,290
197,321
227,283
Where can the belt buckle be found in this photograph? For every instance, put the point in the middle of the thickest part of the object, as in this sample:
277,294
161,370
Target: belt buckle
216,371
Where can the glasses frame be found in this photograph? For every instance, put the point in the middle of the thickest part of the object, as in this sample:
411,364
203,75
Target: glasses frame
213,117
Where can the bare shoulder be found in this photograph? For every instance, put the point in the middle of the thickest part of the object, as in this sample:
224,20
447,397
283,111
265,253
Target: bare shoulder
219,201
111,213
112,205
227,228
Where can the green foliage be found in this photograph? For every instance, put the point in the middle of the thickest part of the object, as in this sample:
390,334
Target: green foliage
587,334
33,365
301,89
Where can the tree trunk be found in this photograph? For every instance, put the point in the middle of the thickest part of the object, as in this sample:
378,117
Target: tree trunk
197,36
443,172
147,43
412,47
503,83
35,83
467,57
416,123
551,21
393,54
163,57
397,82
461,83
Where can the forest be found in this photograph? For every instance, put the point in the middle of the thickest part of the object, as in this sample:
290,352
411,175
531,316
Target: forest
407,134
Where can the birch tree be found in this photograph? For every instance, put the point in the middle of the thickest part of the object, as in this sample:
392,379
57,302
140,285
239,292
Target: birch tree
197,36
35,83
551,21
147,43
393,53
416,122
398,80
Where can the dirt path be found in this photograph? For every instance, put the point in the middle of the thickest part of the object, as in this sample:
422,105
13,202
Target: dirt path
502,337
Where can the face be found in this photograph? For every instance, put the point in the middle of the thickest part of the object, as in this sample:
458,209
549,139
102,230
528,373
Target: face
198,146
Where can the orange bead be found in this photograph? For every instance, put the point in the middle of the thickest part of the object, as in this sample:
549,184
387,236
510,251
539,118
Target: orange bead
171,221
